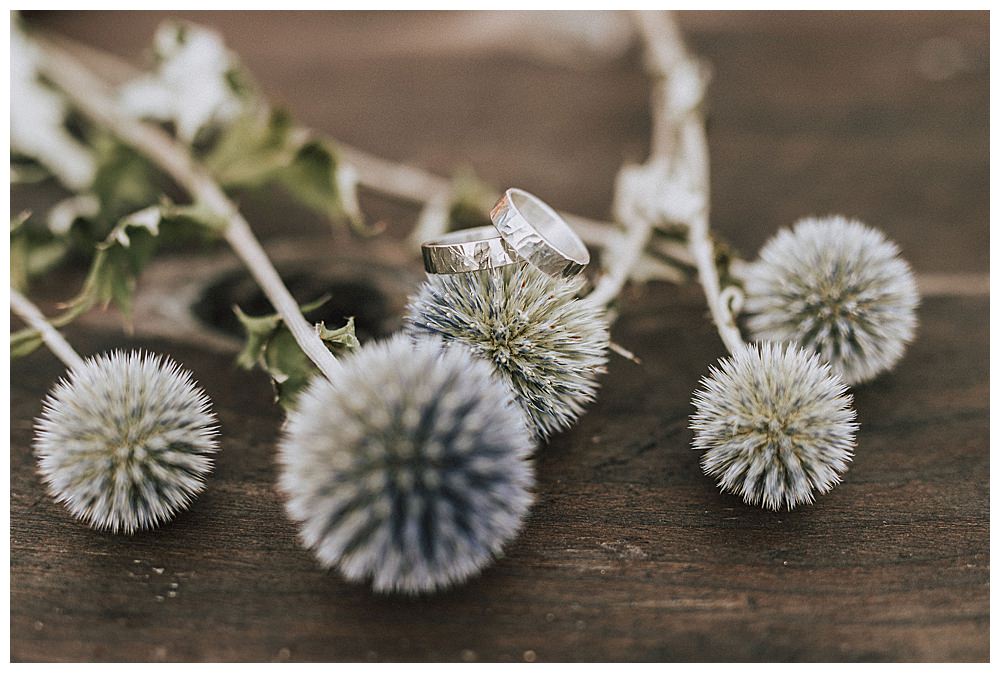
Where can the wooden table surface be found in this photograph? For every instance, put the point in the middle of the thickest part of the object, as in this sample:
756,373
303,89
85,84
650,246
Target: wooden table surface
630,553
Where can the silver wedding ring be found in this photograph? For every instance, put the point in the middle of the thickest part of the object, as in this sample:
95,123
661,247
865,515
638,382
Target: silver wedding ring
467,250
524,228
538,234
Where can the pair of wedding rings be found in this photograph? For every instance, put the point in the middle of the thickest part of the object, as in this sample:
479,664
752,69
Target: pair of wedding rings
524,228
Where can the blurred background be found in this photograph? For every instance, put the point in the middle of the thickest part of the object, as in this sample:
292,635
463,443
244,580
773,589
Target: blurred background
630,554
881,116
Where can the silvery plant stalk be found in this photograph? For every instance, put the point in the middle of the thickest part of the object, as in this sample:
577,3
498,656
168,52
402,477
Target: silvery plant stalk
774,422
673,185
22,307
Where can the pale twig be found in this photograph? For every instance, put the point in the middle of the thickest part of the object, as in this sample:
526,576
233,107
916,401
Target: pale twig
624,352
91,96
649,268
396,179
680,136
419,186
673,104
432,222
627,254
22,307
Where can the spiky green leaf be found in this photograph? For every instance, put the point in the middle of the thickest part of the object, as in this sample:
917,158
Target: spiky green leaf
121,257
264,147
271,346
33,251
24,342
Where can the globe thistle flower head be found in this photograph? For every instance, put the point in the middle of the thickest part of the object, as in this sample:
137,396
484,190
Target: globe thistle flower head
837,287
547,344
125,441
411,470
775,425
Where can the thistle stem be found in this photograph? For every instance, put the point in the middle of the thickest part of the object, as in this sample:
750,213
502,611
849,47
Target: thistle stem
419,186
22,307
680,136
627,252
665,53
91,96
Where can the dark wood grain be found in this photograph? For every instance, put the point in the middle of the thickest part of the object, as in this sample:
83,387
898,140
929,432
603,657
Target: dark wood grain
630,553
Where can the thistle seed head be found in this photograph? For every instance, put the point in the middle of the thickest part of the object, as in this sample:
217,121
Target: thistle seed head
411,470
775,424
836,287
125,441
547,344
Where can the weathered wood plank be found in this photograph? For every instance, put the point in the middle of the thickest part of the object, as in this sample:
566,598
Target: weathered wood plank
630,553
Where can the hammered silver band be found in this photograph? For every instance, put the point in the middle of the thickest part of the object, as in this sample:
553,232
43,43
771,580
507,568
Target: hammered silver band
467,250
538,234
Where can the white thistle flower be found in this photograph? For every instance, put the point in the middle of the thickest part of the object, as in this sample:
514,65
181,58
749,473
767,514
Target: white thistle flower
37,119
549,345
411,470
191,86
125,441
775,424
837,287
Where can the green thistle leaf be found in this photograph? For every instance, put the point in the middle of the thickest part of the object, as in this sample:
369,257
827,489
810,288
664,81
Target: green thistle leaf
253,149
114,272
24,342
312,179
125,182
341,339
121,257
18,252
259,331
271,346
265,147
33,251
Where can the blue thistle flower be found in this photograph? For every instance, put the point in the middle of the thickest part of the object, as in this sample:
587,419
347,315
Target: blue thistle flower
125,441
411,470
547,344
838,288
775,424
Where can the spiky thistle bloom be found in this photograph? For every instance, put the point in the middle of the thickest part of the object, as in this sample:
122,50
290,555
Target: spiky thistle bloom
775,424
410,470
837,287
125,441
549,345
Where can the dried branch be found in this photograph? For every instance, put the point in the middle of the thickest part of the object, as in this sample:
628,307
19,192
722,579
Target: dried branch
29,313
91,96
679,137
